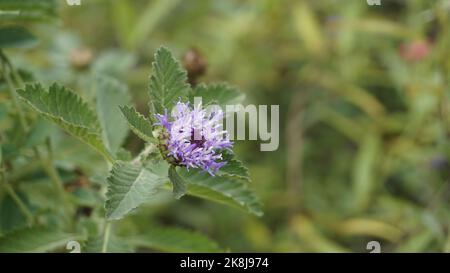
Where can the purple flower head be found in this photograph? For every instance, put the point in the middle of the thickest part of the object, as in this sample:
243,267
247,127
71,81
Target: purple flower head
193,138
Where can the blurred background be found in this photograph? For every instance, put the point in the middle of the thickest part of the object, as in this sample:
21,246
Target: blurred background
364,110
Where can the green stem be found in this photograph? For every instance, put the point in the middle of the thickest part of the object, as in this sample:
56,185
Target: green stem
107,227
46,164
22,207
142,155
106,235
23,121
17,175
56,180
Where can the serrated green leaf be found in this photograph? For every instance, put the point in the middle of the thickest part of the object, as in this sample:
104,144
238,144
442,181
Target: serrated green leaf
27,10
67,110
138,123
220,94
124,155
233,167
111,94
16,37
168,82
37,239
171,239
130,185
178,184
228,190
158,167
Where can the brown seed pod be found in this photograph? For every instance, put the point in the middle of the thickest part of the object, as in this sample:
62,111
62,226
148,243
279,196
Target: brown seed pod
81,58
195,64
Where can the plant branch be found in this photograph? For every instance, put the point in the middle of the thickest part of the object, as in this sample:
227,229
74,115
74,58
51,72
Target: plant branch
22,207
142,155
106,235
15,101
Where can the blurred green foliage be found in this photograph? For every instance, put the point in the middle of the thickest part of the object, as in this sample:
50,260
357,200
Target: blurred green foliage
364,122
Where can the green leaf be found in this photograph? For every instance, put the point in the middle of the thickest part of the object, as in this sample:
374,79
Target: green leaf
16,37
27,10
228,190
110,95
37,239
67,110
179,185
171,239
233,168
168,82
130,185
221,94
114,62
138,123
365,167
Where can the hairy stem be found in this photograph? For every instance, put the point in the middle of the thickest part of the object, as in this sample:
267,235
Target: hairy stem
106,235
142,155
